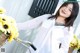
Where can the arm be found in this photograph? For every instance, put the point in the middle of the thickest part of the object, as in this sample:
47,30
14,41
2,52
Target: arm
77,31
32,23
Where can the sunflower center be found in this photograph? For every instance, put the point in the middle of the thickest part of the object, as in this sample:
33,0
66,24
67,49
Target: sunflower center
5,26
0,10
3,19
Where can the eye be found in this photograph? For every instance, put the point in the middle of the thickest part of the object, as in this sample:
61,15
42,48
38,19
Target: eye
70,10
66,6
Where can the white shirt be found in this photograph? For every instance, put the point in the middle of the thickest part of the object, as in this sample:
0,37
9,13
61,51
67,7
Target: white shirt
49,36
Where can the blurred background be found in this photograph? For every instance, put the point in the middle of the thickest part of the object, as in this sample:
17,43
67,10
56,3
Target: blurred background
21,11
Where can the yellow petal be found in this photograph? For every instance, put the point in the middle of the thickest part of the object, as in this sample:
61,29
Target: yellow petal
2,10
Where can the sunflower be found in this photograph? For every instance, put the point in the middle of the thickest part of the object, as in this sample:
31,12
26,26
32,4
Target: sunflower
8,26
79,43
75,43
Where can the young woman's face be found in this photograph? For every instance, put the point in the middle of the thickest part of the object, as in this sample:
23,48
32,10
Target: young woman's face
65,11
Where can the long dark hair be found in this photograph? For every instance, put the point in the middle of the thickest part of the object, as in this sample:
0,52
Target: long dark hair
70,20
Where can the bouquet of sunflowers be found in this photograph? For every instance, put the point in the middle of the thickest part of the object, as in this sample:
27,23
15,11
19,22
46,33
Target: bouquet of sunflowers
9,31
75,43
7,26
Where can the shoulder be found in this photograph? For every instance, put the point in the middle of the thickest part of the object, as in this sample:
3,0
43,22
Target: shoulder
71,31
71,28
45,15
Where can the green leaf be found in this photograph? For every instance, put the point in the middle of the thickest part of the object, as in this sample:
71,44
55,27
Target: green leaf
0,32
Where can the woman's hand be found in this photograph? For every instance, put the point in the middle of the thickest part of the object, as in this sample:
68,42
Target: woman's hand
3,38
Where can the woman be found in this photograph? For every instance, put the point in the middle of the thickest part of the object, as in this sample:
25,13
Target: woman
56,31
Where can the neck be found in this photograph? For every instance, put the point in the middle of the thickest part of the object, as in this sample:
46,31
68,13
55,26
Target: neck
60,19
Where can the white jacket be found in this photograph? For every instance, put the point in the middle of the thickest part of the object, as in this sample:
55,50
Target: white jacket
49,36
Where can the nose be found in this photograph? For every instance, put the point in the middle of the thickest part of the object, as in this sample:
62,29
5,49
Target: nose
66,9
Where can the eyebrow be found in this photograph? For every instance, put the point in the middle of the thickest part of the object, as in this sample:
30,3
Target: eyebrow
69,7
